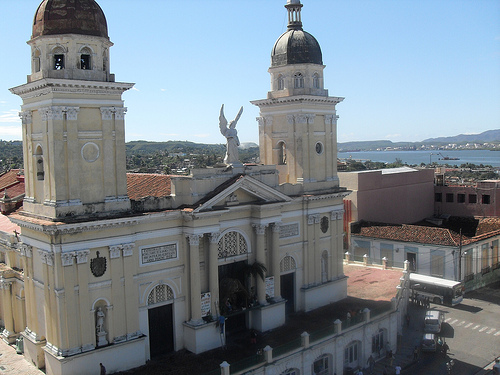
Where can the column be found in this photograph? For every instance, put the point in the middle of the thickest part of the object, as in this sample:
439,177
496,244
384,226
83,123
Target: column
213,272
276,257
131,292
109,151
30,294
194,267
260,230
71,333
119,333
311,249
73,149
337,243
86,324
6,286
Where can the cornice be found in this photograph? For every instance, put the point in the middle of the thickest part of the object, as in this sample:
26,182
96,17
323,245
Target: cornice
61,228
67,86
298,99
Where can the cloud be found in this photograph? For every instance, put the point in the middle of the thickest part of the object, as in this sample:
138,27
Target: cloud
170,134
10,132
10,116
202,135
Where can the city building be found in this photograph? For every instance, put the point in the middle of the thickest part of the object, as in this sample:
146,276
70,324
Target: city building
482,200
455,248
117,268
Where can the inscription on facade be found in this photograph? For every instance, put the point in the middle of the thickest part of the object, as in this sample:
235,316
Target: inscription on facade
158,253
289,230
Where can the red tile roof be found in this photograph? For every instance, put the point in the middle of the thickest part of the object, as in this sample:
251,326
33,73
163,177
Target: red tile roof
141,185
10,178
410,233
8,226
430,235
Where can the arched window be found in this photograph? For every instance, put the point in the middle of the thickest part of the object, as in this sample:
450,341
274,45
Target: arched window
105,60
160,293
281,153
298,80
36,60
39,164
323,365
378,342
287,264
58,53
351,354
316,80
281,82
85,59
232,244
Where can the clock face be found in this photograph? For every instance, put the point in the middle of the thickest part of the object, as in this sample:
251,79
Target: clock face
319,148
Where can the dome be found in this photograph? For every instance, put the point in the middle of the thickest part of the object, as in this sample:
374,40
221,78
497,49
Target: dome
296,46
83,17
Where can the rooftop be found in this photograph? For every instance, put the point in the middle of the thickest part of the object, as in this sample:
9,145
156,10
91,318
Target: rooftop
447,234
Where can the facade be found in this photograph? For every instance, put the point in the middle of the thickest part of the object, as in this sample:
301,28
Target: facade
393,195
481,200
118,268
439,251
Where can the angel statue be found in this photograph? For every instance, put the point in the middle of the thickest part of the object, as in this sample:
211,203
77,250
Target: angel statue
231,135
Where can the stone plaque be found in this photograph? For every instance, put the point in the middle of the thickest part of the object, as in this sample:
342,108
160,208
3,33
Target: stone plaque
157,254
289,230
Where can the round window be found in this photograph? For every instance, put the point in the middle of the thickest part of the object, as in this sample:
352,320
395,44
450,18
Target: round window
319,148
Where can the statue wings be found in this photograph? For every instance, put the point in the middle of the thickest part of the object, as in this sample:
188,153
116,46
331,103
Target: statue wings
223,122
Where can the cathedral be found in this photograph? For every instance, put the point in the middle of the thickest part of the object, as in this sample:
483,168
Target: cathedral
119,268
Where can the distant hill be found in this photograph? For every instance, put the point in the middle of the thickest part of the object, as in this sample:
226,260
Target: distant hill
487,136
147,147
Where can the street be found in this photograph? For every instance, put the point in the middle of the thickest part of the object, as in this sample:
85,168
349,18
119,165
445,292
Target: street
472,331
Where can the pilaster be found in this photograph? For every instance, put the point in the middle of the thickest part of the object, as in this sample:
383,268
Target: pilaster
213,273
194,266
260,231
276,257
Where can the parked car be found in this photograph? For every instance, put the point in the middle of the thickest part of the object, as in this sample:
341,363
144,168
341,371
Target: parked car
432,321
429,342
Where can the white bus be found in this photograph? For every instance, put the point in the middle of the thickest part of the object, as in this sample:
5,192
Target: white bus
443,291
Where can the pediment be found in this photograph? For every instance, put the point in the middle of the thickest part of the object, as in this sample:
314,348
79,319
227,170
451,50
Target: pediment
245,190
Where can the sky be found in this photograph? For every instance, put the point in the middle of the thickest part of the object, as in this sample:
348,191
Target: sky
409,70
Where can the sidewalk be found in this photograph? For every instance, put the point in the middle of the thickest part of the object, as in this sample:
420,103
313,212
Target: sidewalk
13,363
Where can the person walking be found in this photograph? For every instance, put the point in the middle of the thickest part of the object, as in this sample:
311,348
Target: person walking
415,353
103,369
397,370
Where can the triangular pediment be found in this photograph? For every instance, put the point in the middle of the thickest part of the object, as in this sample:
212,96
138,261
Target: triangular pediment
245,190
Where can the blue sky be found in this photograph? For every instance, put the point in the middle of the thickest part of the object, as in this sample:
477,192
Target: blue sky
408,69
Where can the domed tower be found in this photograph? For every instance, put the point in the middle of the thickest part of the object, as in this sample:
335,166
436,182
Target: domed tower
298,121
73,116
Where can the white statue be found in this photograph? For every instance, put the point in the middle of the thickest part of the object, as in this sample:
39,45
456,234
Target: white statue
231,135
100,321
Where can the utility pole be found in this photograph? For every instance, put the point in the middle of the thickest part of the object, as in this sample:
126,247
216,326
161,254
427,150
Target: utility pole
460,257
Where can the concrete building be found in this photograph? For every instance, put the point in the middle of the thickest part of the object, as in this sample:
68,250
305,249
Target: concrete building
393,195
481,200
118,268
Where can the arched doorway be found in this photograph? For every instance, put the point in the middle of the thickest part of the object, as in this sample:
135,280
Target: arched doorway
161,322
287,270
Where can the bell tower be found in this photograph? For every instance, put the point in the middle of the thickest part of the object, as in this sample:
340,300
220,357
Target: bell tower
72,116
298,120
